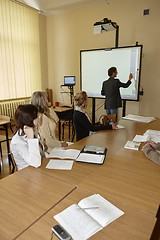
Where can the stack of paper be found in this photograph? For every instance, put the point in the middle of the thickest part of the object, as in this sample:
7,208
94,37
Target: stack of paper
139,118
89,216
149,135
132,145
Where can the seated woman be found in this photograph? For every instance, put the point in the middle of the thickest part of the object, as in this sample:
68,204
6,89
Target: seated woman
81,119
47,121
25,146
150,151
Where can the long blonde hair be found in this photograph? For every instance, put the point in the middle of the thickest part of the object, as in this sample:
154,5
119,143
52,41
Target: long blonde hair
39,99
80,98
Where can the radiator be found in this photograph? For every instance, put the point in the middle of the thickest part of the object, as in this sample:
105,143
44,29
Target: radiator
8,108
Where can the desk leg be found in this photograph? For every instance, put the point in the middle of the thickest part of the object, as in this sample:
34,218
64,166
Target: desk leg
8,149
59,130
69,127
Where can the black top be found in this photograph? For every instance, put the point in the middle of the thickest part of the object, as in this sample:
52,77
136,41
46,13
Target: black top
110,89
84,126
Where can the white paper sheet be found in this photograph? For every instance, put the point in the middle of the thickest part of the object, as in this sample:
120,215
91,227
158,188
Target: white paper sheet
120,126
60,164
139,118
90,158
141,138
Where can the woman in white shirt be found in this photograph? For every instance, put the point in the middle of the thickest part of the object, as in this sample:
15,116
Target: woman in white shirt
25,146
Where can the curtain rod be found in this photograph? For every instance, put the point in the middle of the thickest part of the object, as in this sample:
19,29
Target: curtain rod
26,5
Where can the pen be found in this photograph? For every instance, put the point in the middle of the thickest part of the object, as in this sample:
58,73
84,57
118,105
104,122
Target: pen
89,208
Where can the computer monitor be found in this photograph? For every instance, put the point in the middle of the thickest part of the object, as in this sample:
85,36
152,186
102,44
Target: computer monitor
69,80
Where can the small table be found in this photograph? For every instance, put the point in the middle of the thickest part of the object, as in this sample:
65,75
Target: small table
64,113
4,121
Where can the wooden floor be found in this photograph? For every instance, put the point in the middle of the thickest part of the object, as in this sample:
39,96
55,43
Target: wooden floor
5,168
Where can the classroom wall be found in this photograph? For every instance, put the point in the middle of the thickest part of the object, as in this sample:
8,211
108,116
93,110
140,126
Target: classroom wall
70,32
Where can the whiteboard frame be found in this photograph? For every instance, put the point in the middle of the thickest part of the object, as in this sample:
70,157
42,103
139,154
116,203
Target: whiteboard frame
108,49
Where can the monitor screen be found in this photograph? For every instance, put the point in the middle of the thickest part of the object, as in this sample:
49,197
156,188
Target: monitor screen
69,80
95,65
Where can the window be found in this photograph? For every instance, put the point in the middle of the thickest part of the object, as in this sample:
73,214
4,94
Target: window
20,73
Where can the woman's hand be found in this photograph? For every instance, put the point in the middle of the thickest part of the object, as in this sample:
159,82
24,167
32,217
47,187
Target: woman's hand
152,144
114,126
28,132
64,144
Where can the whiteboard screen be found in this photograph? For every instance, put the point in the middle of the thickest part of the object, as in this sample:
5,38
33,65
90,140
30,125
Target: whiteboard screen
95,65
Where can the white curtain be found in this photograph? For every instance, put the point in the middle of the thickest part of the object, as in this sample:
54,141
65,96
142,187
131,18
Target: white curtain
20,73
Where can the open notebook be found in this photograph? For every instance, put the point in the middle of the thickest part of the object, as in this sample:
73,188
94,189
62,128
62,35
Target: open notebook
92,154
89,216
63,154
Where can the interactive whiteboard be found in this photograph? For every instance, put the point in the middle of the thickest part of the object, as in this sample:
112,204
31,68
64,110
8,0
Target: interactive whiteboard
95,65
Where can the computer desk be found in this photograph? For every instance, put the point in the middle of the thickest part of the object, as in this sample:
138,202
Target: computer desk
132,225
25,197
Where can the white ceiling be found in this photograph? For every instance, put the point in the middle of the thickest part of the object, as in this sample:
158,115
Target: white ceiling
49,7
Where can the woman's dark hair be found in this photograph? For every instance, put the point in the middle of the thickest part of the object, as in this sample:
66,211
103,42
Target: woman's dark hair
111,71
24,115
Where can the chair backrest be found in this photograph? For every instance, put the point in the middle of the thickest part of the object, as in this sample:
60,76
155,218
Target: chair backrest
73,132
12,161
107,119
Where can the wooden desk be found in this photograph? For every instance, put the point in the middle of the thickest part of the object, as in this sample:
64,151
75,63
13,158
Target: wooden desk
133,225
25,196
4,121
76,175
127,177
64,113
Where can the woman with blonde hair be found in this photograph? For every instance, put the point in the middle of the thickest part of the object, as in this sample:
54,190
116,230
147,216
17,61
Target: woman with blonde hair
81,119
47,121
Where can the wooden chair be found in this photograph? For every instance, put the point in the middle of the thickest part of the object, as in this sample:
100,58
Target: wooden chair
3,137
67,120
108,118
73,132
12,161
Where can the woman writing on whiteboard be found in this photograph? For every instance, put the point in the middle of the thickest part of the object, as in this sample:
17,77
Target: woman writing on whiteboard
47,121
150,149
81,119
